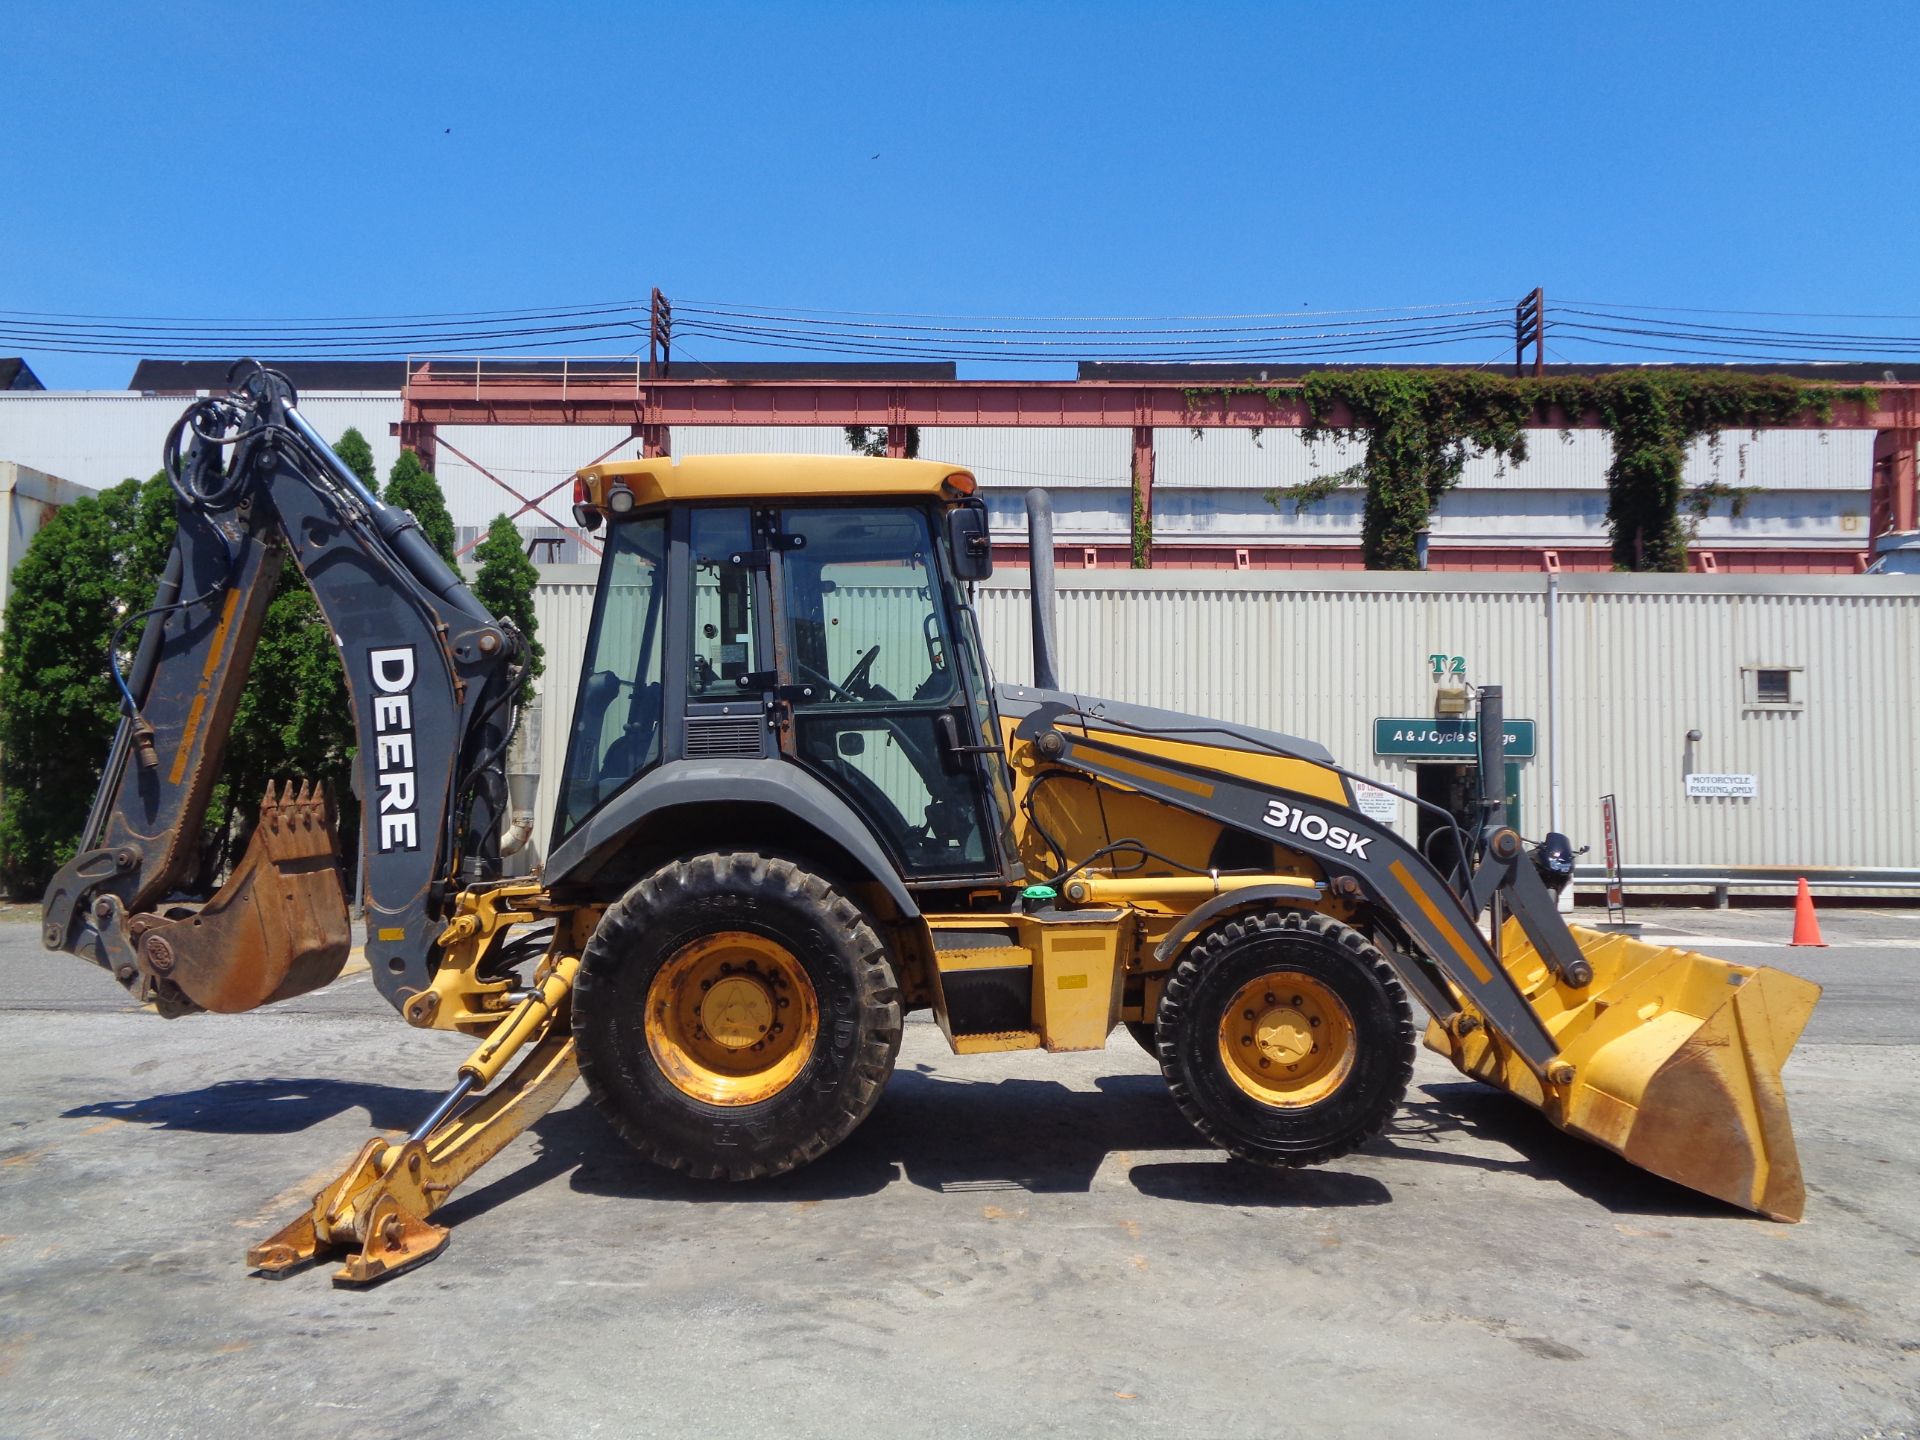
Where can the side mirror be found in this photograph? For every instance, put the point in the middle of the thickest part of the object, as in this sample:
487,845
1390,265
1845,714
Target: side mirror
969,541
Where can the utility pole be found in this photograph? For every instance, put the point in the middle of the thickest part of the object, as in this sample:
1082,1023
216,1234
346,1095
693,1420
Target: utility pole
659,336
1529,328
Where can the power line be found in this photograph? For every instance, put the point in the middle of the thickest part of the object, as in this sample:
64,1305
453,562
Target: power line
1773,314
1301,335
1115,319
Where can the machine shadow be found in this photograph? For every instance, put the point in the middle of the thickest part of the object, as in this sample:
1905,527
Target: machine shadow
1543,1153
275,1106
961,1136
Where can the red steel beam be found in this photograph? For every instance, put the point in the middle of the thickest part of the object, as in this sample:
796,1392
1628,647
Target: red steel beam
430,400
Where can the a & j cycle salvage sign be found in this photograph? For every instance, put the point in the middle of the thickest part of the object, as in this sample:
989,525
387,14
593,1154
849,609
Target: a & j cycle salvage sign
1446,739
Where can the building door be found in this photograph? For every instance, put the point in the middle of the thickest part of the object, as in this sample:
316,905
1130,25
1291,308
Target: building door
1454,786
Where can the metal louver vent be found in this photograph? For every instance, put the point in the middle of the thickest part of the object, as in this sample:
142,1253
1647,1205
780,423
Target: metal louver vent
711,736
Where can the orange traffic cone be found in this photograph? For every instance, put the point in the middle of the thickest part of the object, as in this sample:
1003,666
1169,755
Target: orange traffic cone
1806,925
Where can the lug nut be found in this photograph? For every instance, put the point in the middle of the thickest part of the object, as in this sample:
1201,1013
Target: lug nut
1246,1015
1270,999
1313,1021
1246,1040
1295,1000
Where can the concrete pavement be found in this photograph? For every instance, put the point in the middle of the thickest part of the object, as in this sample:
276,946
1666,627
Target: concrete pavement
1012,1245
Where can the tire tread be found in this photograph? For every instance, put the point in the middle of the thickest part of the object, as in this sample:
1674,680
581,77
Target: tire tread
877,998
1214,945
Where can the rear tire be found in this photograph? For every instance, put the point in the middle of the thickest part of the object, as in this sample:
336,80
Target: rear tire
1285,1038
736,1016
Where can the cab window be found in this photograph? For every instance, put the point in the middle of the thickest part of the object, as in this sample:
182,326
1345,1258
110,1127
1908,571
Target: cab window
616,718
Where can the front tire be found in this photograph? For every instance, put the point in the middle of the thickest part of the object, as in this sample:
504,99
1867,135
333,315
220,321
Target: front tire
1285,1038
736,1016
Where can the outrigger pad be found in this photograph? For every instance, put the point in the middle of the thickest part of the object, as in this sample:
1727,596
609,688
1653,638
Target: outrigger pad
277,928
1675,1057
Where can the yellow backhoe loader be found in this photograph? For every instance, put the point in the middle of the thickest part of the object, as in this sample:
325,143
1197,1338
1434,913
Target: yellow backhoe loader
794,808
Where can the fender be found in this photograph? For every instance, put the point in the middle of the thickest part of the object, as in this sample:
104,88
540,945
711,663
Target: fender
1299,892
713,782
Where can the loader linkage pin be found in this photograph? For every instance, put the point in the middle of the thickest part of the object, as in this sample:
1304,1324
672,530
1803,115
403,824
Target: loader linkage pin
378,1208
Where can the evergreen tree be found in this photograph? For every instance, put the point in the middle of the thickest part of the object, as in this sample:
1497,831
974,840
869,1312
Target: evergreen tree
871,440
94,564
411,487
505,585
91,565
353,449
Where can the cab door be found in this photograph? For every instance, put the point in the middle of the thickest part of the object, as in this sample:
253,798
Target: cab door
870,658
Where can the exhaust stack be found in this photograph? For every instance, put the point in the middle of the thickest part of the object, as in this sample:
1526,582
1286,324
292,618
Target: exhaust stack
1046,674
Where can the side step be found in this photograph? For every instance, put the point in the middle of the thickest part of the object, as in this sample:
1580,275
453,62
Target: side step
986,990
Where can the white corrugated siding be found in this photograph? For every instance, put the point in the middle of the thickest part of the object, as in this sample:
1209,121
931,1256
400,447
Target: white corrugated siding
98,438
1574,460
563,609
1035,459
760,440
532,459
1645,659
1838,784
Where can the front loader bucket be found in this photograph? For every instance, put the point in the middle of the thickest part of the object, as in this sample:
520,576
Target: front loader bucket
1675,1060
276,929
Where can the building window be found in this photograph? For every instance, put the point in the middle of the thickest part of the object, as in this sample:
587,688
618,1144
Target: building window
1774,687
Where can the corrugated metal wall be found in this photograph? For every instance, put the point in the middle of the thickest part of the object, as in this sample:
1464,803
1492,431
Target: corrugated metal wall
1644,659
1838,783
1573,460
98,438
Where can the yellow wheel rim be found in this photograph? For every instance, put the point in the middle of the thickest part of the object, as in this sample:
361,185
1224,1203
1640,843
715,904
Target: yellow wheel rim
1287,1040
731,1018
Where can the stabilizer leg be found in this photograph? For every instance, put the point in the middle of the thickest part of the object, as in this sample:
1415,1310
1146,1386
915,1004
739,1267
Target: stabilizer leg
378,1209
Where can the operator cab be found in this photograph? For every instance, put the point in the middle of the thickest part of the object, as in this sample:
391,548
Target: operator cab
801,610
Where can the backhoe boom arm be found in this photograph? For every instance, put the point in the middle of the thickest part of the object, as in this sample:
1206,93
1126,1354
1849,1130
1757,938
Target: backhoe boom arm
431,676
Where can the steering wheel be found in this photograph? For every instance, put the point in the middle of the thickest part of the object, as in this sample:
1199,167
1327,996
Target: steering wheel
857,677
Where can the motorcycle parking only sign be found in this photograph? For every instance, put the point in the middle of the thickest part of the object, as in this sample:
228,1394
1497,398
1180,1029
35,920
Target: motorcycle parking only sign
1723,787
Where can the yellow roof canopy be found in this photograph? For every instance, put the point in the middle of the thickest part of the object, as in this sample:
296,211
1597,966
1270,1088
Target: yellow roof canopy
774,477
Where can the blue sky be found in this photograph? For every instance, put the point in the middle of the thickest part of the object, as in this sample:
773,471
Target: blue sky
307,160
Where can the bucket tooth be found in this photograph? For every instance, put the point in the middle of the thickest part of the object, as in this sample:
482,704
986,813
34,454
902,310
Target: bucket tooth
1676,1061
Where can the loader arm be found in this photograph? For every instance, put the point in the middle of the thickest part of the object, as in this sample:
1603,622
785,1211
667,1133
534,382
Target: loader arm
431,676
1341,840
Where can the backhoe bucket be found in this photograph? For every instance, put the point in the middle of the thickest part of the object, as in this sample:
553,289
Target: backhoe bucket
1675,1062
276,929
